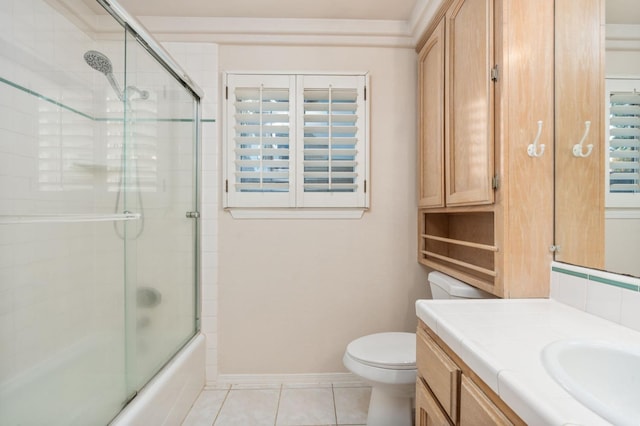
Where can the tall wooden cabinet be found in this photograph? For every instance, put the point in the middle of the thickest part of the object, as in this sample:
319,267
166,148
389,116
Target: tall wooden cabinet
580,187
486,71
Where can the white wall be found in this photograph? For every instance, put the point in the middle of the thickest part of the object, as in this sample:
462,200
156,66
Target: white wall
294,293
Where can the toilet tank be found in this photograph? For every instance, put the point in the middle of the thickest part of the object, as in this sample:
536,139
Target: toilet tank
445,287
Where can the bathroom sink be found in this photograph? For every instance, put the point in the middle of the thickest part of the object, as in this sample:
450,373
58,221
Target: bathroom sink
603,376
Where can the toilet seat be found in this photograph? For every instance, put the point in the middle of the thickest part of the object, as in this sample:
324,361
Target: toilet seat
394,351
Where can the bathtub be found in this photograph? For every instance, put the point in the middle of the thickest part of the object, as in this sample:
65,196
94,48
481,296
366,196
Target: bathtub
168,397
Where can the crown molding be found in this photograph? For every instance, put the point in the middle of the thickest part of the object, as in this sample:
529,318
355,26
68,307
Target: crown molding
263,31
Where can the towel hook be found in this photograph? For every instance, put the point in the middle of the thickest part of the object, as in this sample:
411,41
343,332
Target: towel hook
577,148
532,149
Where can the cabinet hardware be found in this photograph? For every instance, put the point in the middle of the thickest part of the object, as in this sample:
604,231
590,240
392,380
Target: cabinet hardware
226,185
495,182
554,249
193,215
494,73
532,149
577,148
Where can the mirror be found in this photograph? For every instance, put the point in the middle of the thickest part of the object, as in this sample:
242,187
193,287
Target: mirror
591,229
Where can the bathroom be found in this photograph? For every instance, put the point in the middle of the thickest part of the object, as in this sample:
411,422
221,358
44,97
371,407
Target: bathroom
280,299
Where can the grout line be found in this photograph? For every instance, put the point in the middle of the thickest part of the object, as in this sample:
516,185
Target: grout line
275,421
335,409
221,405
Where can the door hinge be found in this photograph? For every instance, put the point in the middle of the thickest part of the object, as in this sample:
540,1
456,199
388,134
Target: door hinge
226,185
495,182
494,73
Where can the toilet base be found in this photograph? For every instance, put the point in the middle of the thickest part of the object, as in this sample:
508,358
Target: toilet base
387,409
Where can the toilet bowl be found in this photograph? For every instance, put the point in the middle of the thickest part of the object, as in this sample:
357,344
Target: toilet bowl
387,361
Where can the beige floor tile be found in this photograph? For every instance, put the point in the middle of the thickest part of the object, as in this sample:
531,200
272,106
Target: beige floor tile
205,408
352,404
306,407
255,407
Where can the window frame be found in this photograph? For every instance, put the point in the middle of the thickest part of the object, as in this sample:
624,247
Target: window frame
297,202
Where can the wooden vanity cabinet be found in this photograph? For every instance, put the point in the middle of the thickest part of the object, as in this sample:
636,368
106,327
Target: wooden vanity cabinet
449,393
485,212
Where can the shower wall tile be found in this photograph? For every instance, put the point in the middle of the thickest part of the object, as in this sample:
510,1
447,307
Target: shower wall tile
200,61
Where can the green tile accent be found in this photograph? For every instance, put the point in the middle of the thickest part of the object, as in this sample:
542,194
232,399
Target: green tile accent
614,283
572,273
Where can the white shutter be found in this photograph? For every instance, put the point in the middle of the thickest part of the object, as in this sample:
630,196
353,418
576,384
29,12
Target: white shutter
260,156
332,141
623,142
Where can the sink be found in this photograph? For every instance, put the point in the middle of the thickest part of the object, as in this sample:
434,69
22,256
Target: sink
604,376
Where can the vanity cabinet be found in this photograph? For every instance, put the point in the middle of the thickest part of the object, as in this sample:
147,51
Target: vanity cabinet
449,393
485,207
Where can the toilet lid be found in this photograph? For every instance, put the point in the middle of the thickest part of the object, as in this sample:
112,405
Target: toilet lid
385,350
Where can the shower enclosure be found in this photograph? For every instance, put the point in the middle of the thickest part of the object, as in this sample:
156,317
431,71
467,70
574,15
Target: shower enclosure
99,140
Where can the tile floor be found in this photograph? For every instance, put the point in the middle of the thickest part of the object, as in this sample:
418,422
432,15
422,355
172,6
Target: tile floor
281,405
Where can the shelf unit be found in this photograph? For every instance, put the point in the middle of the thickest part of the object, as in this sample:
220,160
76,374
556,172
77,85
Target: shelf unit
461,244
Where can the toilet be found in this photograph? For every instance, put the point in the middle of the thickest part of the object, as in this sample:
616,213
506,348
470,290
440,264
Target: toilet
387,361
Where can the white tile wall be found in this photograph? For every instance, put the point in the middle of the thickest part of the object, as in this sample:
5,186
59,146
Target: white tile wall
200,61
610,296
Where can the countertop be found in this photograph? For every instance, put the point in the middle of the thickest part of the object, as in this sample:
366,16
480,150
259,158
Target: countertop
501,341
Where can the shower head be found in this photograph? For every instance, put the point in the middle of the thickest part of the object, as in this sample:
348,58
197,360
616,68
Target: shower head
100,62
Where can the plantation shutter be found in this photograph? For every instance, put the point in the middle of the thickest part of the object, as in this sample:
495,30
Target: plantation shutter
623,137
260,125
332,141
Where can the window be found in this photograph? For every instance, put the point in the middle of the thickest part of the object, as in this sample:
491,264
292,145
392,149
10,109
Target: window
623,142
296,141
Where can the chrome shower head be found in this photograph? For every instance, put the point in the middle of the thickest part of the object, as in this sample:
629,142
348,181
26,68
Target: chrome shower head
98,61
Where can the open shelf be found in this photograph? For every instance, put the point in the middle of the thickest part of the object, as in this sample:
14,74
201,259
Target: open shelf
461,244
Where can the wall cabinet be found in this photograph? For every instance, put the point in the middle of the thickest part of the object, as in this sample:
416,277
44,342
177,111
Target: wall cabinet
579,86
449,393
486,94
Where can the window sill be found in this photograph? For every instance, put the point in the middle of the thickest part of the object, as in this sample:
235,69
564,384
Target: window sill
328,213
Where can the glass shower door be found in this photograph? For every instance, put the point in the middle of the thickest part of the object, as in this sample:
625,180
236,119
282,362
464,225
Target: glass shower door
160,185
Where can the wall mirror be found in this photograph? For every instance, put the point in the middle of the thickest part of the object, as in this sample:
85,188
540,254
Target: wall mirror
598,136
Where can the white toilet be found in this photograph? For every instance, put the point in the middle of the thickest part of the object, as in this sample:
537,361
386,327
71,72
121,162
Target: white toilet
387,361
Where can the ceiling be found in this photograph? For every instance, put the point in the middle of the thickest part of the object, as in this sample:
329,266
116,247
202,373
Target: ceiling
623,11
400,10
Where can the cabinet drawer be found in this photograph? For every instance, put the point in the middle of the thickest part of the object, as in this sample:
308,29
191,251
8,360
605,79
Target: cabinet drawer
440,372
428,412
476,409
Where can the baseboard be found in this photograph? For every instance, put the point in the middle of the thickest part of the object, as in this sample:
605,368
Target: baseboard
227,380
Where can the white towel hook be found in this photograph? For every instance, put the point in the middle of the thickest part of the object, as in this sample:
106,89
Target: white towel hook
532,149
577,148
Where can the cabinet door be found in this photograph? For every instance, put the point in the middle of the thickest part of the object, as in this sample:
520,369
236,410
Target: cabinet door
439,371
428,412
469,103
476,409
579,92
431,73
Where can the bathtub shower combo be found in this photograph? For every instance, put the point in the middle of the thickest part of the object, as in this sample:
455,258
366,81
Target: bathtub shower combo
99,142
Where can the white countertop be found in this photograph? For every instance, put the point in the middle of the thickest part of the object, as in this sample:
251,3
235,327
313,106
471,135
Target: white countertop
501,341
